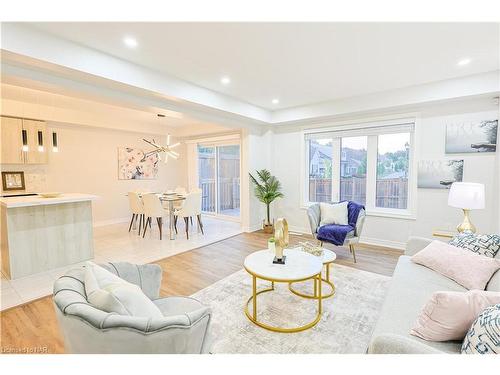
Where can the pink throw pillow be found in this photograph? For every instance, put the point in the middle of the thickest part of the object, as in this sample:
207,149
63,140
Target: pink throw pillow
471,270
449,315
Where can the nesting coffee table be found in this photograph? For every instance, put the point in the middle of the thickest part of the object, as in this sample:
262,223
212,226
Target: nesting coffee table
327,259
300,266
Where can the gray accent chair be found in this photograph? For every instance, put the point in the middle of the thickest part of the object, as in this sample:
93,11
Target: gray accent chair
86,329
411,287
352,238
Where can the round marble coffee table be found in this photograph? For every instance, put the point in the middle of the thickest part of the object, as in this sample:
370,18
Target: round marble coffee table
299,266
327,259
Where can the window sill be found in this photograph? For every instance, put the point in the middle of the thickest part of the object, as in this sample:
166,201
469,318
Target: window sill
377,212
405,215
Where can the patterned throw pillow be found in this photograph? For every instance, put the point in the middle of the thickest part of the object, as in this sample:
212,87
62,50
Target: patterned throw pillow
484,335
483,244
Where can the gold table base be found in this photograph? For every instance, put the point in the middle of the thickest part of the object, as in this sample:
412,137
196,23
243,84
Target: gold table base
326,280
253,317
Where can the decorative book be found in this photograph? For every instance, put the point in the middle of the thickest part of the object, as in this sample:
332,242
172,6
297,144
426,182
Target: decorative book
312,248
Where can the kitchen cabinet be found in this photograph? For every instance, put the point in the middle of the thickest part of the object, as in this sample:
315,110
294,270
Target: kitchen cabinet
12,141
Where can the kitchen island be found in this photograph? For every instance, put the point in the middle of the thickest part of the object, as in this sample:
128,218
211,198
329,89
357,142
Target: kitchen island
39,234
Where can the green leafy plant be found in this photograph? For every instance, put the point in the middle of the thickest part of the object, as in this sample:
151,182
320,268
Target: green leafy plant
267,189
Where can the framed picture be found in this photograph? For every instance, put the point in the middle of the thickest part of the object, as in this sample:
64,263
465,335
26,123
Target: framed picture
439,174
13,181
133,165
480,136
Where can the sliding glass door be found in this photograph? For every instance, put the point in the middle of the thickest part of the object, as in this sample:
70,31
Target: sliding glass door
206,177
219,179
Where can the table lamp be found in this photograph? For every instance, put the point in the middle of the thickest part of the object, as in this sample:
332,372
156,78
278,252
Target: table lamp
467,196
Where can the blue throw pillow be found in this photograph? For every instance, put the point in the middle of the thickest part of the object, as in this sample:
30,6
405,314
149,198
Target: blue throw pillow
482,244
484,335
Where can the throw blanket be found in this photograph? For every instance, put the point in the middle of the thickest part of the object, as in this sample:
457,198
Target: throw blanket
336,234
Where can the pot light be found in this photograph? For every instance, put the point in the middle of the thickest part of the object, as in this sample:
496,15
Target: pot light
275,101
463,62
225,80
130,42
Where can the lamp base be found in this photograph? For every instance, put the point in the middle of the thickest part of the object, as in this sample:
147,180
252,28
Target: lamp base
466,225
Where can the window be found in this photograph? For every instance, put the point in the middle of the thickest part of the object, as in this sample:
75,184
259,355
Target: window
393,156
206,178
320,170
228,160
219,179
353,169
370,164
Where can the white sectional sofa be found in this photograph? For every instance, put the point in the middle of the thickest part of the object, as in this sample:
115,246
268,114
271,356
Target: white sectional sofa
411,287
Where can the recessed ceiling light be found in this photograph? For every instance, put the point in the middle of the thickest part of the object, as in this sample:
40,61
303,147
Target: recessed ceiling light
225,80
275,101
130,42
463,62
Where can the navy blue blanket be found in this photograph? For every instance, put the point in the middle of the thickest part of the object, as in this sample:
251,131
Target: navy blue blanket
336,234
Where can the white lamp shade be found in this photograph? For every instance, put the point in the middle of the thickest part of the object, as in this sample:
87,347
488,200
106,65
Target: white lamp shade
466,195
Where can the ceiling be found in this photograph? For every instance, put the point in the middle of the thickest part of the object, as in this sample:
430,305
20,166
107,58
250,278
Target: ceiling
46,99
298,63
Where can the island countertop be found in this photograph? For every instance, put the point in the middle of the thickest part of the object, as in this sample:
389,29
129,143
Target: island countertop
37,200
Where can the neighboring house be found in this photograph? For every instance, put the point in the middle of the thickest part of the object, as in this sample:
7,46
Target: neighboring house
351,161
320,161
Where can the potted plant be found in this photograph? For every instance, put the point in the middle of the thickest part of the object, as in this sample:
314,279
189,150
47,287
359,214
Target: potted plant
266,191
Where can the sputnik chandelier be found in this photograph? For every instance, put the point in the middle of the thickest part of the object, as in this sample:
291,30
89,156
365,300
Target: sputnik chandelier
167,149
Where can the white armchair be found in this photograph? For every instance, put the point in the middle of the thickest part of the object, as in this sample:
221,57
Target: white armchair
184,327
352,238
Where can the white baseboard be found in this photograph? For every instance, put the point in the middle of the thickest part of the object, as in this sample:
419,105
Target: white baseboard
111,221
251,228
364,240
384,243
299,230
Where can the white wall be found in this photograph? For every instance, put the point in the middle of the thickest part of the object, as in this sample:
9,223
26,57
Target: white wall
256,154
87,162
432,209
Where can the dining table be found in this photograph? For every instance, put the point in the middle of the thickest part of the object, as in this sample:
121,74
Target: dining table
170,198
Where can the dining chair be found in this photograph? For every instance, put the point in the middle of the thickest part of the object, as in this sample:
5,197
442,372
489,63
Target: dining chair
190,207
194,190
181,191
153,208
137,208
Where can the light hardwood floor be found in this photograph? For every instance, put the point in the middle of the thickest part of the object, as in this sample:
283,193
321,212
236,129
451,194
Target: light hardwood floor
34,324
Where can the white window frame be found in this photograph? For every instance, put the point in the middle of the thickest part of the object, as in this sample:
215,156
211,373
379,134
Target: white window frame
223,140
370,128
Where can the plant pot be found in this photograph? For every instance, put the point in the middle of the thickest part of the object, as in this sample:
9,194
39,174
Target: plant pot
268,228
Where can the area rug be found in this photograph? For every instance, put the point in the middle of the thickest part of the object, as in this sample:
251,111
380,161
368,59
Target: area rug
348,319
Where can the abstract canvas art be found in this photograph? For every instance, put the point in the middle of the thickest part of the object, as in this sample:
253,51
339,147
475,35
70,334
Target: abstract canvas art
133,165
439,174
467,137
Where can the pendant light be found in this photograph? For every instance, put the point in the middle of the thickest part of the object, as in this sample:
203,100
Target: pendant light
54,142
40,141
25,140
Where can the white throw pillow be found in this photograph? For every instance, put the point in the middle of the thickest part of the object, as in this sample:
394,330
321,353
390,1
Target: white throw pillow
335,213
110,293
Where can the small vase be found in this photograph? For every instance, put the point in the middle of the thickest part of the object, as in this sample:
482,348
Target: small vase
271,246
